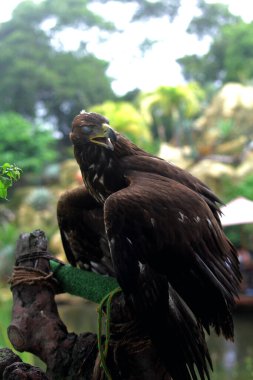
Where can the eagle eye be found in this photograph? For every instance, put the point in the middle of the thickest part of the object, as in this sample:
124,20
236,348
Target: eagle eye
86,128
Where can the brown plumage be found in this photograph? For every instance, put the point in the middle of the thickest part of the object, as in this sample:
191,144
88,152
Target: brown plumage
156,228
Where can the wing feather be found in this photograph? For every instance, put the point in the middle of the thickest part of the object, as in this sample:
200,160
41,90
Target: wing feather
81,225
151,164
172,229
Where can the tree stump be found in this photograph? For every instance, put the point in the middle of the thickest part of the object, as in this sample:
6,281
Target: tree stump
37,328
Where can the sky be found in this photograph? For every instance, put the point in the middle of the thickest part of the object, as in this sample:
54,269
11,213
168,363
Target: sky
128,67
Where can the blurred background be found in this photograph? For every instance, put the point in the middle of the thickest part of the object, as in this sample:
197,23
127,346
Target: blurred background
176,77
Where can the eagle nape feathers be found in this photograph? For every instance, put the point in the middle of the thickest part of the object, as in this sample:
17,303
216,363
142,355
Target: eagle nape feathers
157,229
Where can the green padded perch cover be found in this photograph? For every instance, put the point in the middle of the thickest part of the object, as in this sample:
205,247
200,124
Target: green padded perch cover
94,287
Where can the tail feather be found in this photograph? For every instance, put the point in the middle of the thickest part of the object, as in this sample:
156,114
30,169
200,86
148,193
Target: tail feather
177,336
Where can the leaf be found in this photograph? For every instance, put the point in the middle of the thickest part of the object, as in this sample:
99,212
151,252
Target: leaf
6,182
15,175
11,171
3,190
8,174
6,166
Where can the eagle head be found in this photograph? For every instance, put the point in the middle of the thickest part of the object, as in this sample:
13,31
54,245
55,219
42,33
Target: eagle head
91,127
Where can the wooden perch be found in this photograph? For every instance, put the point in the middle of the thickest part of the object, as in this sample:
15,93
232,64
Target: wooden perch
12,368
37,328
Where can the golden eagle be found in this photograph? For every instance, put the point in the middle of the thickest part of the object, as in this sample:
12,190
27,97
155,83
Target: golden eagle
156,228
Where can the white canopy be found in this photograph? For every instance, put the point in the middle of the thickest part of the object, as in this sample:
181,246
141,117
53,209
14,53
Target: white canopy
238,211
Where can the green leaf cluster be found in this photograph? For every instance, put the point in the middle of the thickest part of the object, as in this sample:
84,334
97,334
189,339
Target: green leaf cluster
8,174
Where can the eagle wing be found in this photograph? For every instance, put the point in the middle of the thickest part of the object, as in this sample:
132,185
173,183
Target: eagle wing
152,164
159,222
140,223
81,225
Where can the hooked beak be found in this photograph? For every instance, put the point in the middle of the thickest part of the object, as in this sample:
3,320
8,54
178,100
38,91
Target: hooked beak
105,138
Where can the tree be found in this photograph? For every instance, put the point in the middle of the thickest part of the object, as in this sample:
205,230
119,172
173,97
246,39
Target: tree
171,110
47,81
40,78
146,9
211,19
229,58
25,144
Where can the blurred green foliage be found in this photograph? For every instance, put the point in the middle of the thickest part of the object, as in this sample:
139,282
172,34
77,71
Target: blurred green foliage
126,119
28,146
45,79
170,111
211,18
165,114
5,318
9,233
240,235
39,199
226,128
229,58
242,371
233,188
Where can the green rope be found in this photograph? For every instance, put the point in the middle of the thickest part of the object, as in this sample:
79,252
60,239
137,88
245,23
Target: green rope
106,302
93,287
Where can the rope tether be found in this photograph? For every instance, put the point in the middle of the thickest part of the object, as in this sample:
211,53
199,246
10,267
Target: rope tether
106,302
